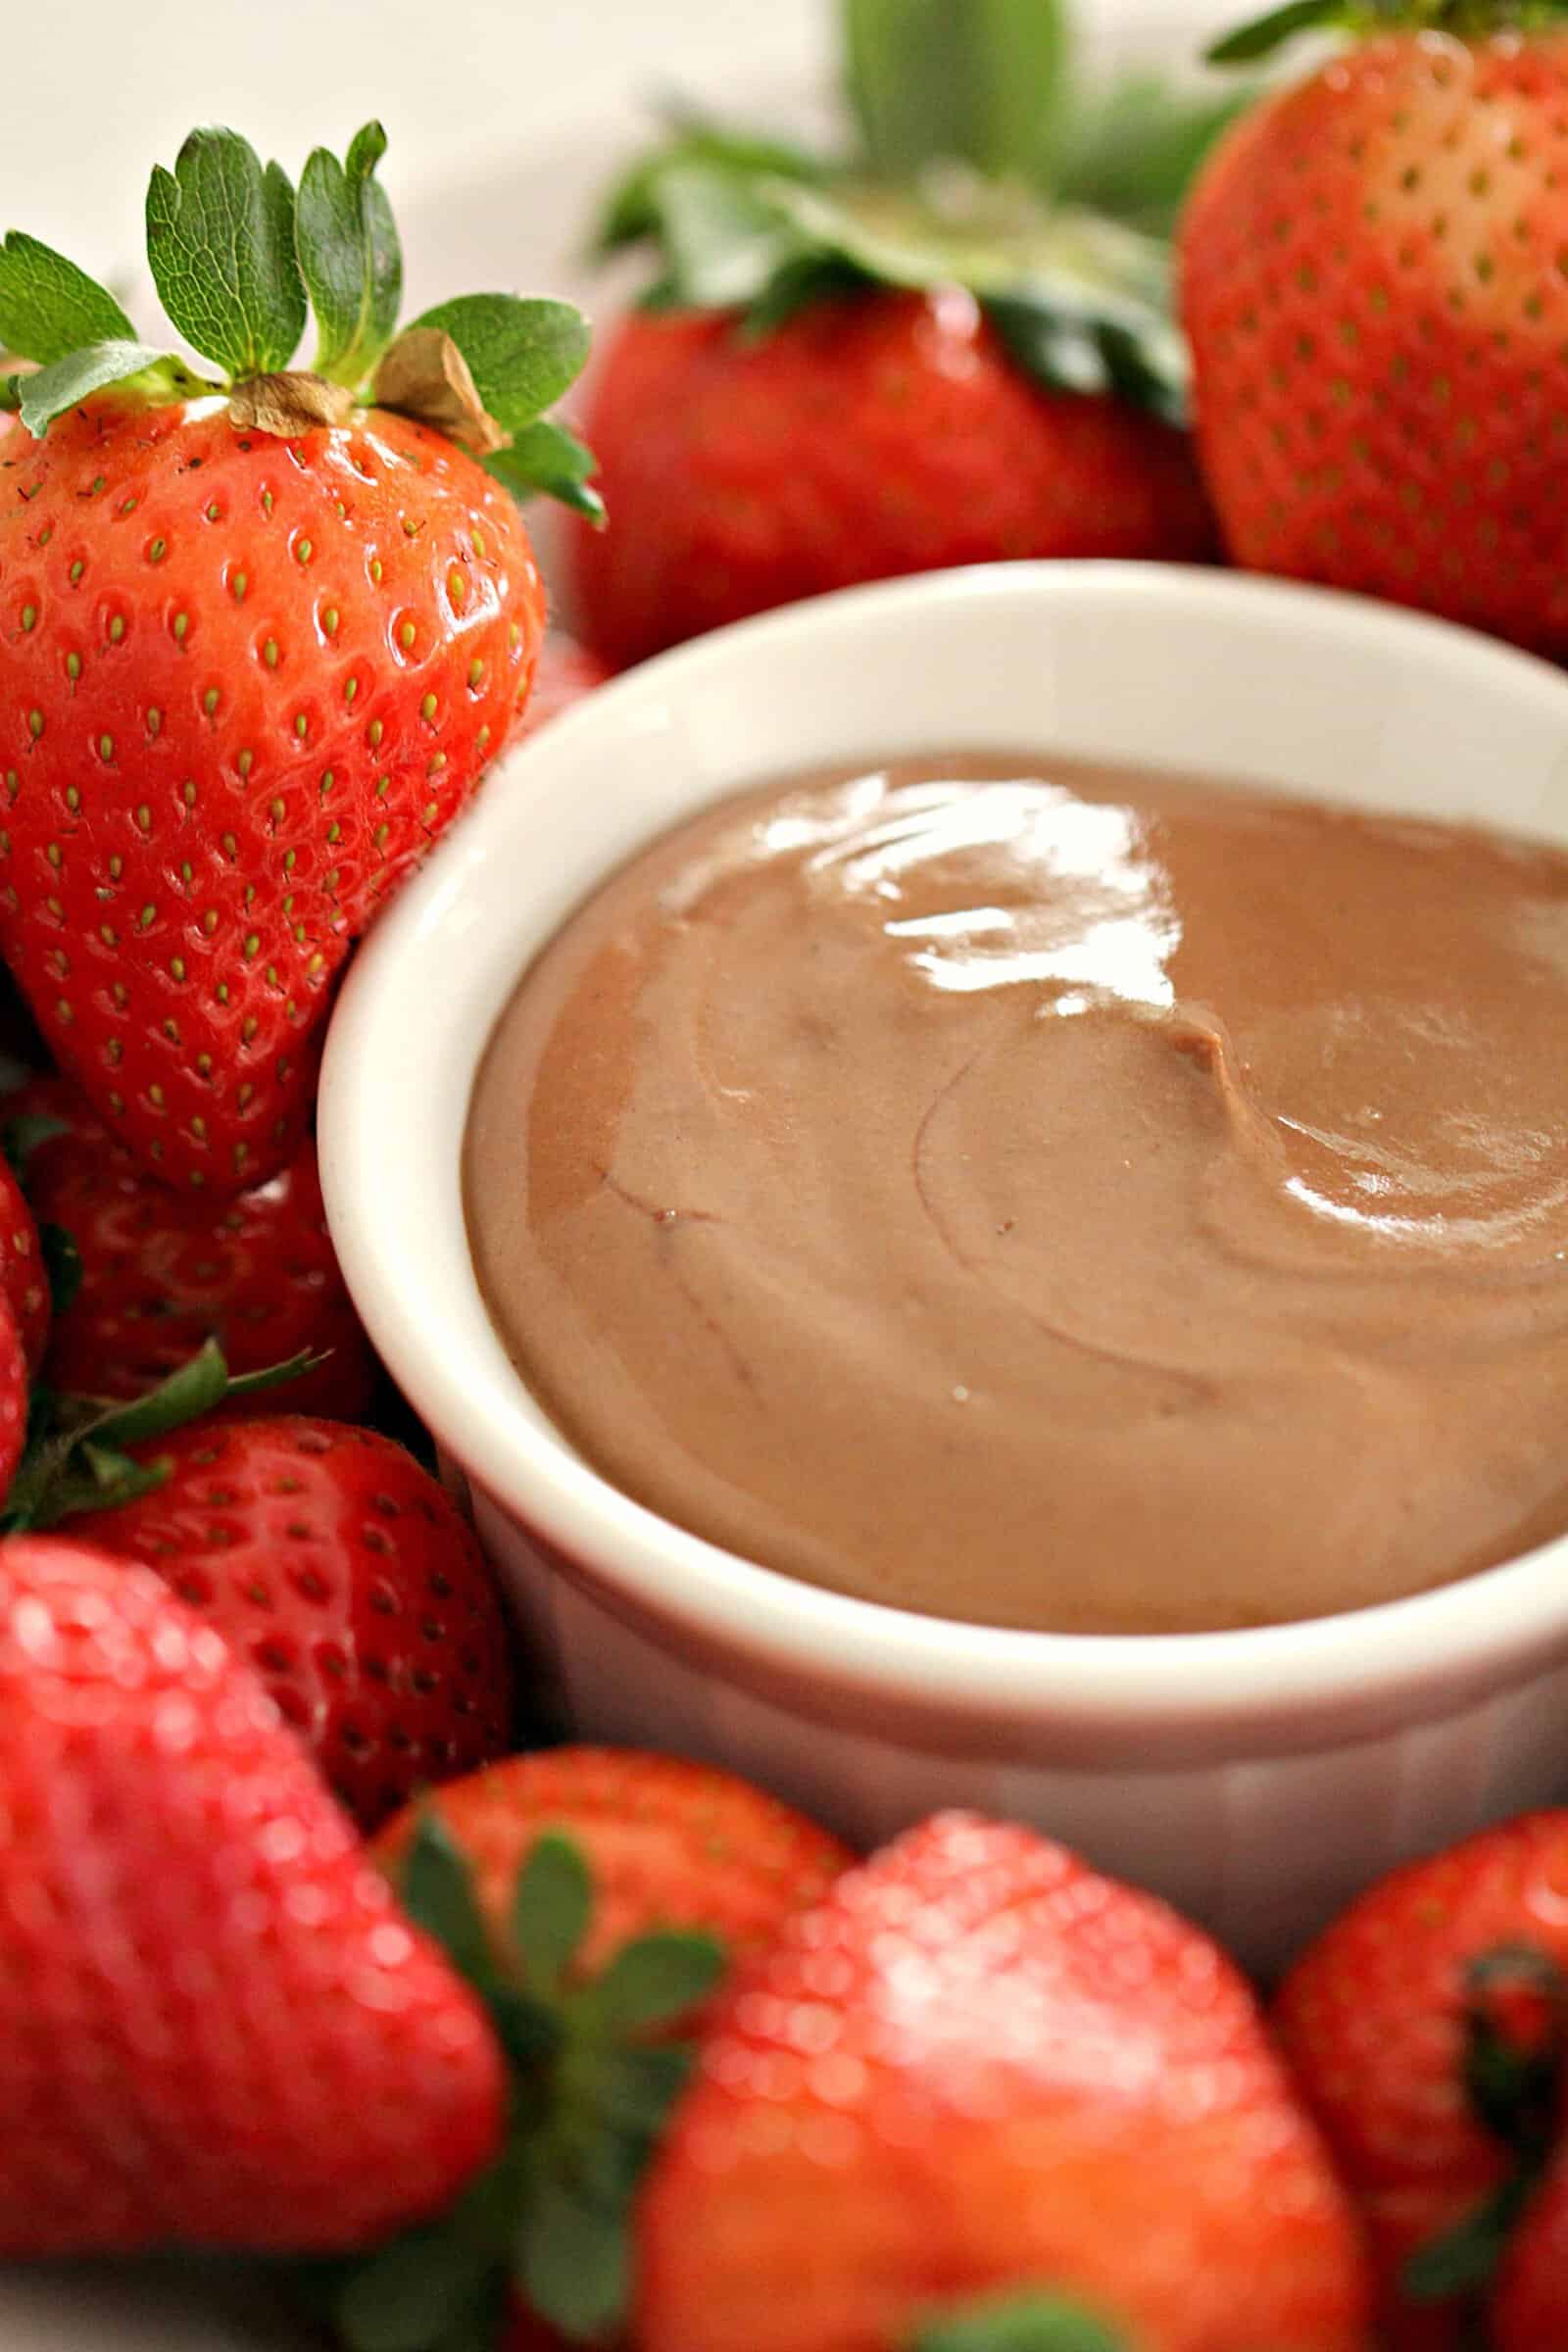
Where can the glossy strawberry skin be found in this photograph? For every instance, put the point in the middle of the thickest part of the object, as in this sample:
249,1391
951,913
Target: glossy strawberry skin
668,1844
1371,285
348,1580
1372,2018
219,2030
24,1277
244,683
978,2064
865,437
162,1271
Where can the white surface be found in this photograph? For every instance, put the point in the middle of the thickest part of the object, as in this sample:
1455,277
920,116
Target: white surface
1255,1777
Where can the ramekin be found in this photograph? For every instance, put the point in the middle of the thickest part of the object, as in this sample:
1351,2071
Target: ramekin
1257,1778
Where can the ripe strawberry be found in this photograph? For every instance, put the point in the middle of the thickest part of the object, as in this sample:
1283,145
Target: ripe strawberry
252,663
593,1896
1372,285
219,2030
1426,2034
347,1576
23,1276
866,436
162,1271
978,2069
566,672
670,1843
870,363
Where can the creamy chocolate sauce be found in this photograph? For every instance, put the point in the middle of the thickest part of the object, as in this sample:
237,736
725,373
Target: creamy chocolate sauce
1051,1196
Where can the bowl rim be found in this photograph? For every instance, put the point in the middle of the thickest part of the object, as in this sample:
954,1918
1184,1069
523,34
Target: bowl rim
1485,1623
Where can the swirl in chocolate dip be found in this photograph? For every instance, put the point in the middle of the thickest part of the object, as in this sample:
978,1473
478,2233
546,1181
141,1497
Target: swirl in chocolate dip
1051,1196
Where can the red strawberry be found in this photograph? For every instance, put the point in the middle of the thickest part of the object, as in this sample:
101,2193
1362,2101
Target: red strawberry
566,672
978,2069
162,1271
1372,285
1422,2037
347,1576
252,663
218,2030
24,1277
592,1895
211,785
670,1843
867,436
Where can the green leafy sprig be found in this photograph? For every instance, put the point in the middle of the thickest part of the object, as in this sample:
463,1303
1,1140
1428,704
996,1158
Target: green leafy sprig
240,262
973,164
79,1455
594,2073
1515,2069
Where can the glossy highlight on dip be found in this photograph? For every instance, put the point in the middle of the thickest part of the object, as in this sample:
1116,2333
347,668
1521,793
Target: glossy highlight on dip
1051,1195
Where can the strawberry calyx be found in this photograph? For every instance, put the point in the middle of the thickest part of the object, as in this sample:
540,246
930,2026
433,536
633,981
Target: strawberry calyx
240,262
972,163
1019,2323
1466,20
78,1456
1515,2057
594,2068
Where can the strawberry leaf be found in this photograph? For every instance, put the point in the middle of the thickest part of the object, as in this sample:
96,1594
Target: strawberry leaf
436,1889
545,459
550,1912
11,394
137,369
413,2293
573,2261
1133,152
1265,35
349,256
633,208
220,246
524,354
49,308
1025,2322
653,1979
980,82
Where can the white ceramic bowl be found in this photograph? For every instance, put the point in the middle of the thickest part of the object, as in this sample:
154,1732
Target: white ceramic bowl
1254,1778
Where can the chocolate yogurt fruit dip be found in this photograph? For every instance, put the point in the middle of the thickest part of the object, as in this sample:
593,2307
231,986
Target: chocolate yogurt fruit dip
1051,1196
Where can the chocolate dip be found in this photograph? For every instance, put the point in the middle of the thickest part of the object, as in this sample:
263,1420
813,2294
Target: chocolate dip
1051,1196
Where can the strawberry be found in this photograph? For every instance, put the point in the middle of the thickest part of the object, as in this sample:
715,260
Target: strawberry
566,672
1372,285
1427,2030
868,435
670,1843
24,1275
594,1897
979,2075
219,2030
347,1576
160,1271
925,351
253,658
